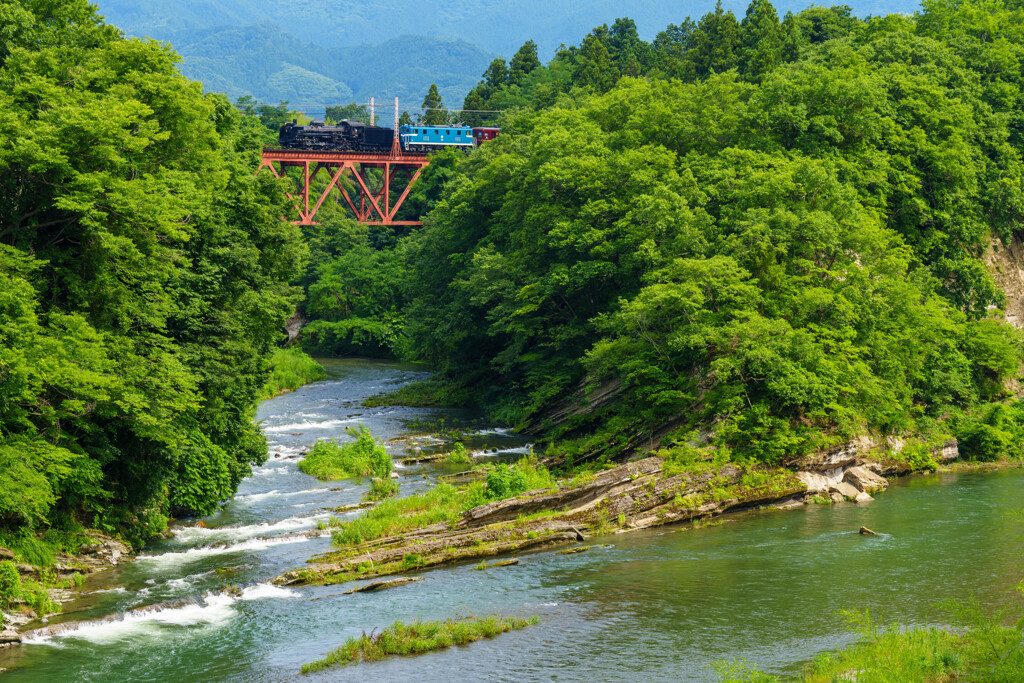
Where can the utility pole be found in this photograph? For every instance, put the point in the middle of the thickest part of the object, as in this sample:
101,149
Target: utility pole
371,112
396,148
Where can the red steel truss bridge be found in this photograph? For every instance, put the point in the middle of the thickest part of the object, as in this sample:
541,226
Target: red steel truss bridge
349,178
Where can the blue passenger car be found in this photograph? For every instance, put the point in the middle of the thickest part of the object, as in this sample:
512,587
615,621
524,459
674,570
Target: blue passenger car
416,138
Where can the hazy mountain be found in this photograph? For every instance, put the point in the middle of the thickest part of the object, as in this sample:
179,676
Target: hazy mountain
273,65
354,49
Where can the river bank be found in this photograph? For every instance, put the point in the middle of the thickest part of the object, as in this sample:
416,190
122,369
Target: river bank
676,597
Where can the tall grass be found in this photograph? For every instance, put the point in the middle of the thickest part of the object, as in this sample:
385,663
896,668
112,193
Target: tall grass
443,503
981,648
407,639
363,457
290,369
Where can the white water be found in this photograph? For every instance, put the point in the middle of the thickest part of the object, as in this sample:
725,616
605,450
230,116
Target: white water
198,534
213,609
193,554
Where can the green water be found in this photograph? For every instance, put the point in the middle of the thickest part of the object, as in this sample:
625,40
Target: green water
656,605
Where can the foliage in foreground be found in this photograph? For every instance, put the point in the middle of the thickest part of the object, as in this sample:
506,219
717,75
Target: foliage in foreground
417,637
363,457
290,369
980,649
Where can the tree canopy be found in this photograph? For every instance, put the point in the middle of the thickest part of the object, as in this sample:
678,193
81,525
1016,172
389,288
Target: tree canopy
143,279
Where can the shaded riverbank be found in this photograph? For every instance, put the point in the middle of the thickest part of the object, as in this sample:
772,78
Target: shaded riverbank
665,601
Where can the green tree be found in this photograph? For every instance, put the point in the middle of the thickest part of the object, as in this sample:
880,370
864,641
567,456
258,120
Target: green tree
144,286
629,53
716,43
349,112
594,65
668,52
496,76
762,40
434,113
523,62
473,102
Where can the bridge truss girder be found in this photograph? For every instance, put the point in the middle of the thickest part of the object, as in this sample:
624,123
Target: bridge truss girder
372,201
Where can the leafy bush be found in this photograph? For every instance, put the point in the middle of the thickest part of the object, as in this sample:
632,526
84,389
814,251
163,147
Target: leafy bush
504,481
10,583
458,455
360,458
918,457
381,488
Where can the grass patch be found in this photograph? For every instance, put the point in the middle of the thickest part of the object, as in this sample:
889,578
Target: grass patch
408,639
979,649
290,369
363,457
984,650
443,503
458,455
431,393
381,489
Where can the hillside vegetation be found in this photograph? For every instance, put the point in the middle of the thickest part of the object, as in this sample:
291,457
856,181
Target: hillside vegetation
143,283
759,232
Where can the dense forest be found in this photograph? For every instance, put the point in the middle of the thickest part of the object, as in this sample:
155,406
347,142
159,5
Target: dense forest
763,233
760,233
144,278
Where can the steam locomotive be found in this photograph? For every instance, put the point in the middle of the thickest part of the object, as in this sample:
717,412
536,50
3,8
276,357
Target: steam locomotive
355,136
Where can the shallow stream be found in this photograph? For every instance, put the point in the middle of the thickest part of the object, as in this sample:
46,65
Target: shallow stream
656,605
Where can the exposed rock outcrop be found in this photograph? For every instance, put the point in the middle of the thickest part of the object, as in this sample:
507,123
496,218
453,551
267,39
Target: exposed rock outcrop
374,586
1006,265
635,495
293,325
864,479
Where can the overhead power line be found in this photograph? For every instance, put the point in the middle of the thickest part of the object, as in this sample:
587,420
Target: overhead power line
367,105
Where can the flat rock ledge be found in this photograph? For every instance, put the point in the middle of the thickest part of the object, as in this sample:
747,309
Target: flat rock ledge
375,586
635,495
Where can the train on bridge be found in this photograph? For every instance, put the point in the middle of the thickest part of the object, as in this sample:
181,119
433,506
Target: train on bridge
355,136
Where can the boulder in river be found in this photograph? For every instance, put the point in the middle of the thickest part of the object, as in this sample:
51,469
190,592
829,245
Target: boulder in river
9,637
865,480
845,490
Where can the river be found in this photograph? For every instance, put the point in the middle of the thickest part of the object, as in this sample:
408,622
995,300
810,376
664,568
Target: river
656,605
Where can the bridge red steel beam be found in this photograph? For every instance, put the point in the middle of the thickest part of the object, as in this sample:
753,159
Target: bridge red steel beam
336,164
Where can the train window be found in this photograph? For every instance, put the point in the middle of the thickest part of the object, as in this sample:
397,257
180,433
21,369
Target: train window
458,132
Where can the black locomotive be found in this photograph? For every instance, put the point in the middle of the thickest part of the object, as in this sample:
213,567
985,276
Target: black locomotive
344,136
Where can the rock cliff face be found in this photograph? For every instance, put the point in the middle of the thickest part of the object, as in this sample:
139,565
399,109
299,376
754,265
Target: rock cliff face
857,468
1006,265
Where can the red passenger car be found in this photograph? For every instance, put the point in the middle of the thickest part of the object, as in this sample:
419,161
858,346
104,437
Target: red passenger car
483,134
